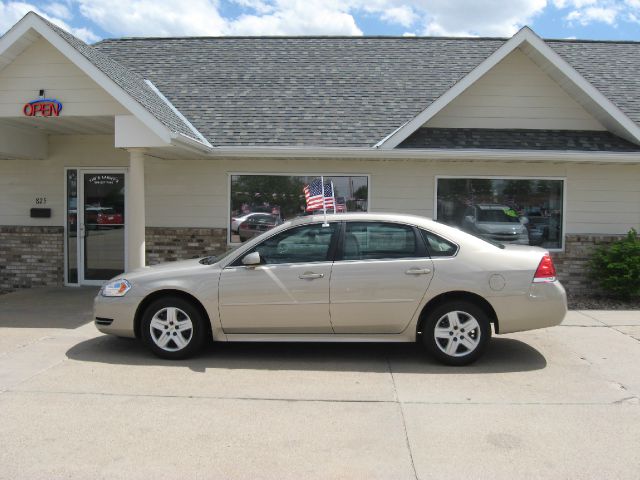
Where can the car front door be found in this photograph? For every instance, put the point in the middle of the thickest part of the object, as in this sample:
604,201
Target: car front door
381,276
288,292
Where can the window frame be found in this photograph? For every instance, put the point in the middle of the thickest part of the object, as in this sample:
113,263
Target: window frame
511,177
287,174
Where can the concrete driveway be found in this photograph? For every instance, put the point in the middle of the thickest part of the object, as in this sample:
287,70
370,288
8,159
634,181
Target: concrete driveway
556,403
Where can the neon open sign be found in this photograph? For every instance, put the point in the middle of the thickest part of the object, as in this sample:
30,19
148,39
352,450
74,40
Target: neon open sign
44,107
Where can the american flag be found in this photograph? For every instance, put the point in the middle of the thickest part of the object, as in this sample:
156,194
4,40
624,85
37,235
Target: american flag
313,196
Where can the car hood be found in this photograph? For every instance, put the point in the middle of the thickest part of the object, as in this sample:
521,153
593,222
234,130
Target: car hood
500,227
164,269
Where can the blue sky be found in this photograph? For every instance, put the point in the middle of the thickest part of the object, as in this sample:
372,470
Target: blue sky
92,20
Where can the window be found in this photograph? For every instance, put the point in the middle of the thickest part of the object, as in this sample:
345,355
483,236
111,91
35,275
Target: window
283,196
523,211
438,246
305,244
376,241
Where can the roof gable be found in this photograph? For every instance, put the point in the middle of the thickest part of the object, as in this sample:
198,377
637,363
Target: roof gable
515,94
47,68
603,109
130,89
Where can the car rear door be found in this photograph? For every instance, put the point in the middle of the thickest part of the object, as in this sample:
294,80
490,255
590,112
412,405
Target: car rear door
381,274
289,291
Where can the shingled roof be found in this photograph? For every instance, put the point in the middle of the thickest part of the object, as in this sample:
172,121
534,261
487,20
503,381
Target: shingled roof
334,91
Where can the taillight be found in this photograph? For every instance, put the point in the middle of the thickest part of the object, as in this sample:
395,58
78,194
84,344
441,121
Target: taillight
546,271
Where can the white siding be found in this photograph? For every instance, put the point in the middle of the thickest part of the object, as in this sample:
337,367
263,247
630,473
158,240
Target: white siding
516,93
41,66
602,199
21,181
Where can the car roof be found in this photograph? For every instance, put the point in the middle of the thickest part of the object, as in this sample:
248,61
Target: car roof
491,206
364,216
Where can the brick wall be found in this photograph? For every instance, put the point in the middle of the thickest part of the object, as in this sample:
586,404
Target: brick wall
31,257
169,244
572,264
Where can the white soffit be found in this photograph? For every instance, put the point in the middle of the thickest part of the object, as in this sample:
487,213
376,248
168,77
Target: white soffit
551,63
131,132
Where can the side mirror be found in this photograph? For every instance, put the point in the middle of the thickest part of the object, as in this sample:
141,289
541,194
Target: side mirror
252,259
470,218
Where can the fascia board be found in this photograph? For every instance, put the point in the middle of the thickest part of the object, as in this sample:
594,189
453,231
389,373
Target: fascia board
429,154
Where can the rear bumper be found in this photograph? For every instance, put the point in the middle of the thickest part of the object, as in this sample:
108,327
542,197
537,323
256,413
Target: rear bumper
115,315
545,305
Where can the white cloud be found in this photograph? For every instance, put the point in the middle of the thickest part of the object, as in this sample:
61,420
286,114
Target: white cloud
59,10
11,12
298,17
312,17
486,18
154,17
309,17
586,12
403,15
590,15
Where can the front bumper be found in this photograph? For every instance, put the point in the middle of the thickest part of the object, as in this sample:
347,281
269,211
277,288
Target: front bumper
115,315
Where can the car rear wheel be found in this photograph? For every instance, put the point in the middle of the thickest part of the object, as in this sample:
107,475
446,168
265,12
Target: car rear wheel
173,328
456,333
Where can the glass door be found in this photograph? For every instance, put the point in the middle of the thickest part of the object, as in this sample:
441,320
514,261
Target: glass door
101,225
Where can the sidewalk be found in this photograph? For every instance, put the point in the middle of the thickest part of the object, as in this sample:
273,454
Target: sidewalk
551,403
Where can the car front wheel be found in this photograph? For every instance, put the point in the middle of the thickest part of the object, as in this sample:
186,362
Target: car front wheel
173,328
456,333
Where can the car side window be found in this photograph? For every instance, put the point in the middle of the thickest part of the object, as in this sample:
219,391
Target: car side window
438,246
307,243
378,240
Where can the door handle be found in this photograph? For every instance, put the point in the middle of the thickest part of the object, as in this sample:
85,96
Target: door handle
418,271
310,276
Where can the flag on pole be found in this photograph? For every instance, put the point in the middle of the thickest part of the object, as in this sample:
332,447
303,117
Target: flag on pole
319,196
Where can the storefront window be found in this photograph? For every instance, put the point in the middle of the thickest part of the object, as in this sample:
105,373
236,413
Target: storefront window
522,211
260,202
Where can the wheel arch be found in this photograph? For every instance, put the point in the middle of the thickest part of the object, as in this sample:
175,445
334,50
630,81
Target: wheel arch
458,296
142,306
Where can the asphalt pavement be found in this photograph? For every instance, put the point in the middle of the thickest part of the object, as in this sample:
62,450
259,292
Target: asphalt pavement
562,402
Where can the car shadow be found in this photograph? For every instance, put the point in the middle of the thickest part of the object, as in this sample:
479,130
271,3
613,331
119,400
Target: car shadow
503,355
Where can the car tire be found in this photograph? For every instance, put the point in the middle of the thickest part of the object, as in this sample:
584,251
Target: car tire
456,333
173,328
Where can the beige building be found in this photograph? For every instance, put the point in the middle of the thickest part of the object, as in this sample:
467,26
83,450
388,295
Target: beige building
135,151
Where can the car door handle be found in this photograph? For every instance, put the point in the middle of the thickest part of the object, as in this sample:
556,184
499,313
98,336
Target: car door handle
418,271
310,276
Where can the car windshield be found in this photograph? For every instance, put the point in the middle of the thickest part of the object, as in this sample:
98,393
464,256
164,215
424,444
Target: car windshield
262,219
497,215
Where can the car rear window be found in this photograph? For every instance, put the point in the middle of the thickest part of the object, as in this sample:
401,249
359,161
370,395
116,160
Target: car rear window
438,246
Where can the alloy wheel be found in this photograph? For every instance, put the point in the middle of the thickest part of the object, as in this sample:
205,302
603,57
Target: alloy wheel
171,329
457,333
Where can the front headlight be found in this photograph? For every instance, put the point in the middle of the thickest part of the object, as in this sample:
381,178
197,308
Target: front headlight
117,288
